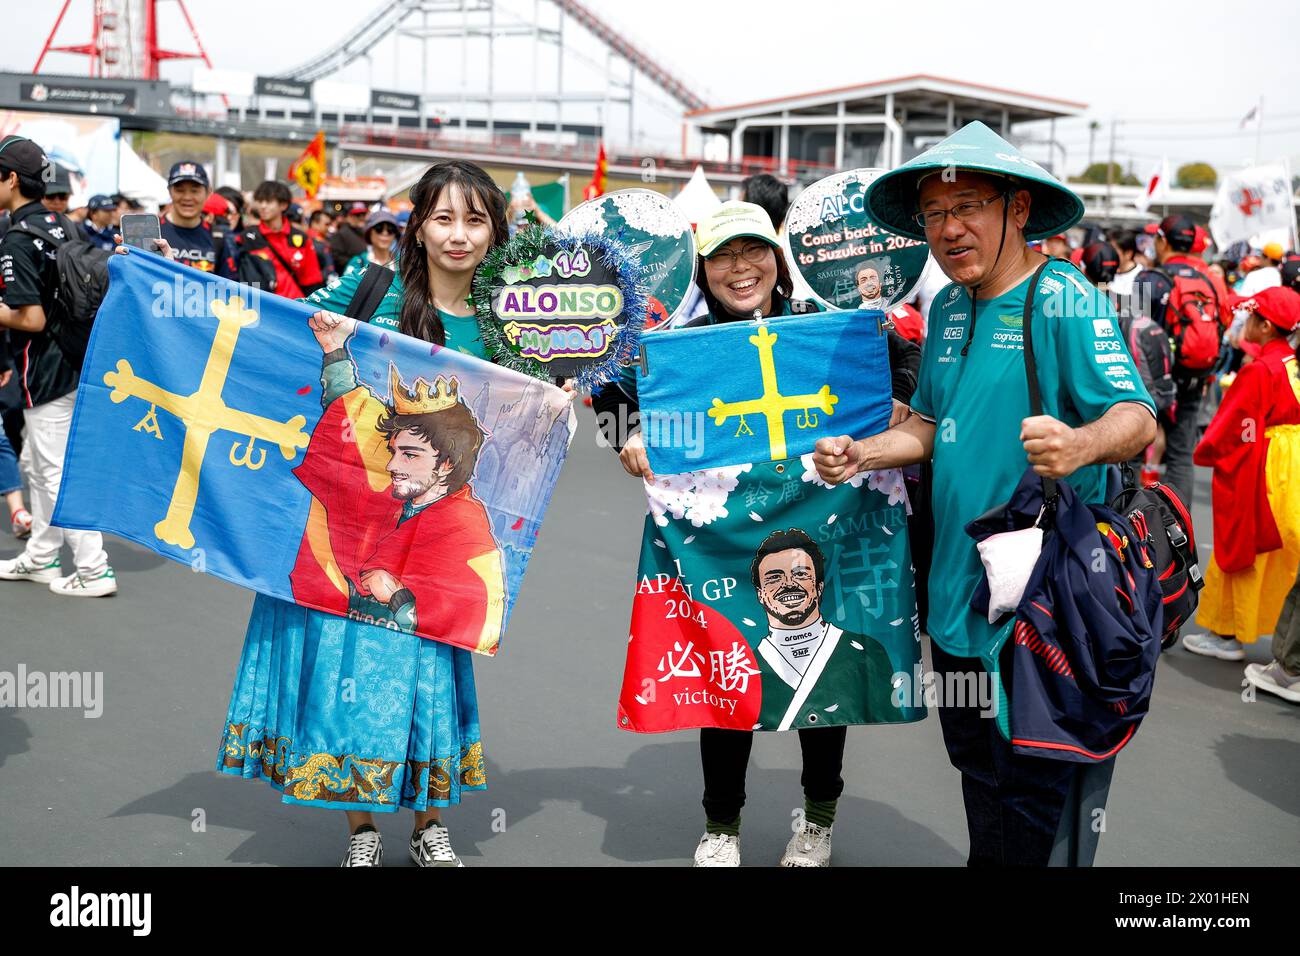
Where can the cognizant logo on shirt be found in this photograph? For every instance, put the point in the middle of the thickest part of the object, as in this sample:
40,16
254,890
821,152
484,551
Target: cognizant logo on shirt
1012,336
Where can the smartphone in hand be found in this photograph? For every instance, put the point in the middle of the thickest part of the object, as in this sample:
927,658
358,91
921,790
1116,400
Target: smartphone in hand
141,230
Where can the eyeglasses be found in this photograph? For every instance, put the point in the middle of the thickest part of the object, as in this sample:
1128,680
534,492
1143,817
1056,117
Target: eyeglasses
726,258
385,228
962,212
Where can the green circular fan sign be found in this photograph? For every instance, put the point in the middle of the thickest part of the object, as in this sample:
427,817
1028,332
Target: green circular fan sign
849,260
654,232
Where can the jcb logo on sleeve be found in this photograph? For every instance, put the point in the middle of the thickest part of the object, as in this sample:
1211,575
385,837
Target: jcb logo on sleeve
953,332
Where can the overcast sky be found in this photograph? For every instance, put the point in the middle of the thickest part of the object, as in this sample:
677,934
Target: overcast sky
1178,78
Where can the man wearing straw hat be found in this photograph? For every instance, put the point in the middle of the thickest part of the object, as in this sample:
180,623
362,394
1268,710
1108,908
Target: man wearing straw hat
978,202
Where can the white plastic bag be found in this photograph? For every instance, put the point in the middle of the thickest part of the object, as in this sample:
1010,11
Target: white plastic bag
1009,559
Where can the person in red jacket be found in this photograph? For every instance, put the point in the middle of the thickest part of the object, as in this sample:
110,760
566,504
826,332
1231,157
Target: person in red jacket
1253,445
287,248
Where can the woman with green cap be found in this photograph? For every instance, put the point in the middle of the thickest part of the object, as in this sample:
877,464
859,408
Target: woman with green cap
977,202
743,276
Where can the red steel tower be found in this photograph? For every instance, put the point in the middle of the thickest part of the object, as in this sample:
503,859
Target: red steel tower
123,39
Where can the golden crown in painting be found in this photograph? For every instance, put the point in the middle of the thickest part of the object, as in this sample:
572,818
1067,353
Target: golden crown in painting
420,401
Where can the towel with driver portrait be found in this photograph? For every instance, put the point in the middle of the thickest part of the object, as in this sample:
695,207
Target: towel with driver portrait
766,599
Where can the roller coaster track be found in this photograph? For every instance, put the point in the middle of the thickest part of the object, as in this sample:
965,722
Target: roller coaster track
386,20
360,41
620,45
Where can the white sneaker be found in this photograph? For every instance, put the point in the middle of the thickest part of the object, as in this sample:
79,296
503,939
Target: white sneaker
1275,680
432,847
364,849
21,568
718,849
1211,645
83,585
810,846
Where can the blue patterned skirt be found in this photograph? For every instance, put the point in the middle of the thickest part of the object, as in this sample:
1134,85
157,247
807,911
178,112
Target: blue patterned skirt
335,713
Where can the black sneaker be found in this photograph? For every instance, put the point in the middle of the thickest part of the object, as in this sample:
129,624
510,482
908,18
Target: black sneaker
432,847
365,848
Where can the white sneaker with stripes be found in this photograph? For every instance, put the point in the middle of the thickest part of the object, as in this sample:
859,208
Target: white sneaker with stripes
22,568
86,585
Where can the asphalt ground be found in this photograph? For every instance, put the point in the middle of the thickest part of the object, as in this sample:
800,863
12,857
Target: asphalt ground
1209,780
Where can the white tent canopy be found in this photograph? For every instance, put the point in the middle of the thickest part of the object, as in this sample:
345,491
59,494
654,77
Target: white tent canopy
697,198
135,178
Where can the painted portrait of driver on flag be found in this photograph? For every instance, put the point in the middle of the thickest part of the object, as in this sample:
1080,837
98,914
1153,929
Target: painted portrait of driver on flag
394,524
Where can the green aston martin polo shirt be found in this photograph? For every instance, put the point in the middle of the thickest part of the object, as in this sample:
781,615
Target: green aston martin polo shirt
978,402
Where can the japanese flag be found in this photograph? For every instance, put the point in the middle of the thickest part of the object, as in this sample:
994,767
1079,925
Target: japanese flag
1156,186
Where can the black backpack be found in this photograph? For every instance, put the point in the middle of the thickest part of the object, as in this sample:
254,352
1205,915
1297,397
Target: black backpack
1148,344
250,269
81,270
1158,514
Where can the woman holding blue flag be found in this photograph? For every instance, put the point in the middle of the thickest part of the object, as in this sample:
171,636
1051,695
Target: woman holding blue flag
743,276
348,715
354,716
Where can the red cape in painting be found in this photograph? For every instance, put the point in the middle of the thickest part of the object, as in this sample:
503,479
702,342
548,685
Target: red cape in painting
444,555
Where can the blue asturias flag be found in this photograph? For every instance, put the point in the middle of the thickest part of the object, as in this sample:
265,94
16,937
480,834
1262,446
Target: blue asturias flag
389,480
770,389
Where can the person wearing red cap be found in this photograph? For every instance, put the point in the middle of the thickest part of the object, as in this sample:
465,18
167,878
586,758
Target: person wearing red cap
908,323
1253,445
1200,240
1057,246
216,207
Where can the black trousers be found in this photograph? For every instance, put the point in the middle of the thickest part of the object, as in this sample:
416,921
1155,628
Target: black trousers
1020,810
1180,438
725,757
